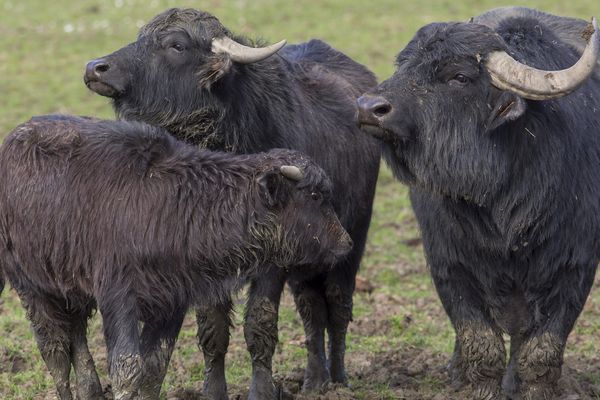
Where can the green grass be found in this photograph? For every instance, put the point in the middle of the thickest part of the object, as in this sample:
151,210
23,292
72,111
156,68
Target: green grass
44,47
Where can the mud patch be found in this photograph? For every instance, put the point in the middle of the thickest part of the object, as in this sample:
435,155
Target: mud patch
11,362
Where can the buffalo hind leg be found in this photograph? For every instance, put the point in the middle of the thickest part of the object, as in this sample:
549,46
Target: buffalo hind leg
260,331
50,324
156,345
312,306
88,385
213,338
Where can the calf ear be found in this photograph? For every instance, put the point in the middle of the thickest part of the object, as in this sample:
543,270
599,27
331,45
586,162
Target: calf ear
507,107
273,188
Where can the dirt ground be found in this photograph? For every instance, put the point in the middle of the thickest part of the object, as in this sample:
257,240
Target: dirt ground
407,372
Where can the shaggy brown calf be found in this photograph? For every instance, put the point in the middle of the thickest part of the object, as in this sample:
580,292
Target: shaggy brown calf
122,215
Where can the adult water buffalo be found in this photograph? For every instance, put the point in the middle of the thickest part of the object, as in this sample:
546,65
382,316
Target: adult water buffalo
503,162
123,214
186,72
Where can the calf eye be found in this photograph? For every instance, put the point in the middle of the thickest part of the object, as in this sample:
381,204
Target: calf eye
316,196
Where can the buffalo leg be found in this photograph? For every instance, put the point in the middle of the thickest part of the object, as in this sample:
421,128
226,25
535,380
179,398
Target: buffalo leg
479,354
50,324
213,338
120,325
260,331
540,357
157,342
88,385
338,294
312,306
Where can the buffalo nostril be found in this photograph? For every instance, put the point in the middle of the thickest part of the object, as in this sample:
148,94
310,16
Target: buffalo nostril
100,68
95,68
371,108
382,110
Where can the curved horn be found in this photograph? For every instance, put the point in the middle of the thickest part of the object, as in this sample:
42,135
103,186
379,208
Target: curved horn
292,172
531,83
244,54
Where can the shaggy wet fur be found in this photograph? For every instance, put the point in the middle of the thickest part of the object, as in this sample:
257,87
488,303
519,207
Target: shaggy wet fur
123,215
301,98
506,191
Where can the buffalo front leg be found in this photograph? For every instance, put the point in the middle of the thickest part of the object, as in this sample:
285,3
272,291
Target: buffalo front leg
88,384
213,338
540,357
157,342
479,355
312,306
260,331
120,325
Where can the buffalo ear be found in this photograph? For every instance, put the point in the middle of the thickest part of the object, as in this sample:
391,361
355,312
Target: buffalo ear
507,107
273,188
214,69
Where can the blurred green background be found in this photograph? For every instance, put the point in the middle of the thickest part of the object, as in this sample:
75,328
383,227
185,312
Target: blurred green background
400,339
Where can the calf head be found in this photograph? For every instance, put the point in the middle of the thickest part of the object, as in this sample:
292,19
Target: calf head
454,111
297,195
175,74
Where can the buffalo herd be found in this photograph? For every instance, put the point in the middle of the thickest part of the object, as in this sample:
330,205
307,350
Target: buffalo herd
235,162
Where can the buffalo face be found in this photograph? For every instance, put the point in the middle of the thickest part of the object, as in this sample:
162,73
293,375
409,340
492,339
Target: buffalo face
453,112
174,74
300,199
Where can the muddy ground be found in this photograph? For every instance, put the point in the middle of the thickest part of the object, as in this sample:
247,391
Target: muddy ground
405,371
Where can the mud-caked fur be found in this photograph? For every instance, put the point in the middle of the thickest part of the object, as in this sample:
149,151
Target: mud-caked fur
301,98
123,215
506,191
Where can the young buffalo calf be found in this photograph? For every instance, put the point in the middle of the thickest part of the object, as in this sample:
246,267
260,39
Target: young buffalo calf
123,215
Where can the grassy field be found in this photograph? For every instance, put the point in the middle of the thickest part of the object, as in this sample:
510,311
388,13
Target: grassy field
400,339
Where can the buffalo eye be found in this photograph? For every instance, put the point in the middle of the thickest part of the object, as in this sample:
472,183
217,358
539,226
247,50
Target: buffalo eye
316,196
178,47
460,79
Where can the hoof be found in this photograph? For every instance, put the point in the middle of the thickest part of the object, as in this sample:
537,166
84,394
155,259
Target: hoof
315,380
215,391
262,386
538,392
488,390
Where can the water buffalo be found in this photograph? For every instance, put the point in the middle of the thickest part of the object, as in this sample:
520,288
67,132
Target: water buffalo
503,165
189,74
122,215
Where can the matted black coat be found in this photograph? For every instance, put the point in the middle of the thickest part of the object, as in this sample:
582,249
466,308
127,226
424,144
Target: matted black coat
189,74
503,162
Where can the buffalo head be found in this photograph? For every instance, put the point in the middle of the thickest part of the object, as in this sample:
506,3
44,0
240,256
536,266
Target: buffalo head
174,74
460,111
298,195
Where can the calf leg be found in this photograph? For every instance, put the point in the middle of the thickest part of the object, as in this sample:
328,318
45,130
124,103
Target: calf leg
540,357
260,331
157,342
479,354
312,306
50,324
88,384
213,338
120,325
